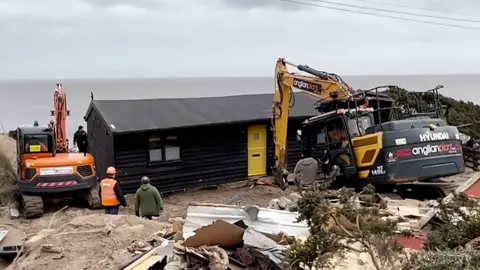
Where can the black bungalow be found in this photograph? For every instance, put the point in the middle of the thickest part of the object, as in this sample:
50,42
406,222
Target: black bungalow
191,142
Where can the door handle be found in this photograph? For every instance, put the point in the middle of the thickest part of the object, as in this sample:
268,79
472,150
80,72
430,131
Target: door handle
255,155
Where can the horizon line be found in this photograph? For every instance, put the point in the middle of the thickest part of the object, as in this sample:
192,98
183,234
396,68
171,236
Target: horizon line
226,77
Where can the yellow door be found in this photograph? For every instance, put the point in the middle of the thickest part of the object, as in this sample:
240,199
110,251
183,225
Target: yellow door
257,150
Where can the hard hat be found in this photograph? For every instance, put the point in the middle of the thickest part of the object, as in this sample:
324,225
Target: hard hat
145,180
111,170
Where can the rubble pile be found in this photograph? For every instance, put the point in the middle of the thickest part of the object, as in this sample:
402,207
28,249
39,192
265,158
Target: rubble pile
210,236
407,212
232,237
284,203
215,236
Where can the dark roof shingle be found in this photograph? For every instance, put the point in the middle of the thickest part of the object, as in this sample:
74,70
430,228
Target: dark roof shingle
125,116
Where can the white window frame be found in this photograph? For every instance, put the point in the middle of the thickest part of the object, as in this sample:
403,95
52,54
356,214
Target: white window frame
161,154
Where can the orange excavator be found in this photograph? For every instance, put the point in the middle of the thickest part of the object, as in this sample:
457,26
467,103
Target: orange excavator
47,169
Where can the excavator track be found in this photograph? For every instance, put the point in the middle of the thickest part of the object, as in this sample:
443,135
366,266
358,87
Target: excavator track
32,206
93,198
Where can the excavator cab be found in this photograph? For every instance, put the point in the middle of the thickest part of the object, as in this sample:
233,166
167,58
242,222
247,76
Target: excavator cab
329,137
35,141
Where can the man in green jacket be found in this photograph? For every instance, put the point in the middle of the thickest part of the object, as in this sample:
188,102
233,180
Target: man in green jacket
148,202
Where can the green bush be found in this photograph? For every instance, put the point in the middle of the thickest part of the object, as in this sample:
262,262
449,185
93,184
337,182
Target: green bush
459,112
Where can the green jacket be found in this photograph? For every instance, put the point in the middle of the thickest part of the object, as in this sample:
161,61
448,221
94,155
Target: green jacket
148,201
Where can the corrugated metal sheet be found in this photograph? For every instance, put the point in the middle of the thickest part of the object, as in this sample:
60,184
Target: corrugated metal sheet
269,220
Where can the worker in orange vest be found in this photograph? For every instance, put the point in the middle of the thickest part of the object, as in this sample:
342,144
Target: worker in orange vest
111,193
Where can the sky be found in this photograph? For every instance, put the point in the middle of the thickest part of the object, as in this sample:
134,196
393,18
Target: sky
209,38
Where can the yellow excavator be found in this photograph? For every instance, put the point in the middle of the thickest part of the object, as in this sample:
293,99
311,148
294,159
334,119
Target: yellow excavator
359,135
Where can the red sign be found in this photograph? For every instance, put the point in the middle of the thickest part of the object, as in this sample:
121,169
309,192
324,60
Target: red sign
403,153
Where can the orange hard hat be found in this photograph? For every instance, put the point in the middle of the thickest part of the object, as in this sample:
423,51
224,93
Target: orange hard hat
111,170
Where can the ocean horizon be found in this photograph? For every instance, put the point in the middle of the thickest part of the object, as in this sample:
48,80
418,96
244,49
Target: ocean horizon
24,101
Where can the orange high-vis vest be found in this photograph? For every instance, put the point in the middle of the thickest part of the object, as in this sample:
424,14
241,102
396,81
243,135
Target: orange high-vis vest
108,193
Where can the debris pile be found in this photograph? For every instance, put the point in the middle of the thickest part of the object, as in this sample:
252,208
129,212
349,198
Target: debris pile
226,236
284,203
214,236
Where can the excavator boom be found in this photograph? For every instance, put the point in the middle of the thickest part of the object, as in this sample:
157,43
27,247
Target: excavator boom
326,87
60,113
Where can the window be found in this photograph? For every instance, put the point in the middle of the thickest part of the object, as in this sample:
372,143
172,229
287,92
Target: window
321,137
41,143
163,149
358,126
337,136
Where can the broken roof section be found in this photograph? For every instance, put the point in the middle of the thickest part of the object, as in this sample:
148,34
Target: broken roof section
126,116
268,221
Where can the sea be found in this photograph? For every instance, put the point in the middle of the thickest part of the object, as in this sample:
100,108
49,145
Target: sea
24,101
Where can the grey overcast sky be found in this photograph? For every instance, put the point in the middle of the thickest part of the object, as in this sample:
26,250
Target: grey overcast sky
196,38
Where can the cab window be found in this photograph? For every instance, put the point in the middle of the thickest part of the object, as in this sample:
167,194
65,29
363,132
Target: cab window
321,137
337,134
358,126
37,144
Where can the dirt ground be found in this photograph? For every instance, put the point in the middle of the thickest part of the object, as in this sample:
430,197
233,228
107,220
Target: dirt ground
83,219
87,242
77,218
104,252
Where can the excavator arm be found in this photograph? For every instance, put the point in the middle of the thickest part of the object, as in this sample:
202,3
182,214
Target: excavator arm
326,87
60,113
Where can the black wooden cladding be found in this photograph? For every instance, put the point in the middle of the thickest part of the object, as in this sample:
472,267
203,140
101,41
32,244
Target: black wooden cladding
100,142
294,146
210,156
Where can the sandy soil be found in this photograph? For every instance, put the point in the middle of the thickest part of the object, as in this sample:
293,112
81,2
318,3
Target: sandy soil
7,169
8,146
176,205
83,243
133,228
108,252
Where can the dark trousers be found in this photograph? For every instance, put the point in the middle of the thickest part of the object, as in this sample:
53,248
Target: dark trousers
111,210
82,148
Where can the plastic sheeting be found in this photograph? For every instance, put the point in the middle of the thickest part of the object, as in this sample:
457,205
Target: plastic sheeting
269,221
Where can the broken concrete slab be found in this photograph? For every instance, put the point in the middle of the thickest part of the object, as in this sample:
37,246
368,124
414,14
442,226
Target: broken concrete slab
14,212
295,197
